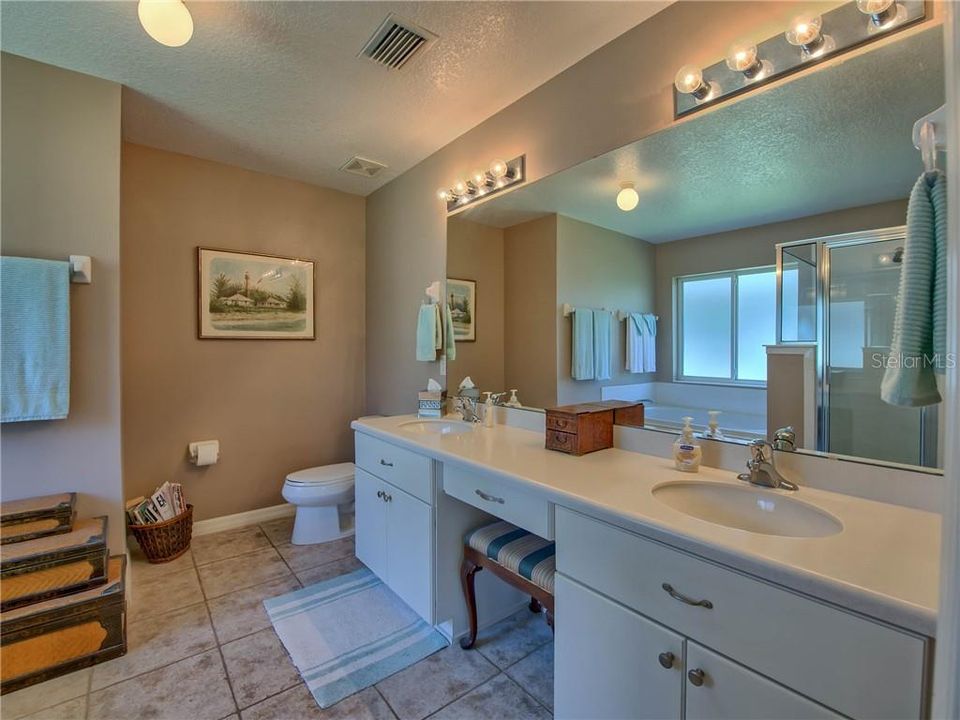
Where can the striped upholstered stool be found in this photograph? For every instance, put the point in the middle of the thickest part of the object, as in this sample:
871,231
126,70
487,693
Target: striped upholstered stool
517,557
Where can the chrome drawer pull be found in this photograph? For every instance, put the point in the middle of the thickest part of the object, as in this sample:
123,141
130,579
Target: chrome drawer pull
696,677
385,463
666,659
489,498
684,599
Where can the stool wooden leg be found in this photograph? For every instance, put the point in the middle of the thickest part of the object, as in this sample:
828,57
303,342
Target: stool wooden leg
535,606
468,570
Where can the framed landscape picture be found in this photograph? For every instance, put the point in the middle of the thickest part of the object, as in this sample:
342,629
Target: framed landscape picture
252,296
462,296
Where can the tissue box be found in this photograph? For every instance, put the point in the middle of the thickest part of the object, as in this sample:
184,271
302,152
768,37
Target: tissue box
432,404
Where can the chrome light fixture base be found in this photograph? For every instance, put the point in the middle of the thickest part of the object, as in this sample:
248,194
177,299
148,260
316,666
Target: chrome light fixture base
488,185
844,28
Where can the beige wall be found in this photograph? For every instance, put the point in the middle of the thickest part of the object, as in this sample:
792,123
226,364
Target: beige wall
530,337
618,94
749,247
275,405
475,252
61,196
599,268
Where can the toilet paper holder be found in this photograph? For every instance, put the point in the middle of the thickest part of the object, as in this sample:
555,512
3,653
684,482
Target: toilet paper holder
204,452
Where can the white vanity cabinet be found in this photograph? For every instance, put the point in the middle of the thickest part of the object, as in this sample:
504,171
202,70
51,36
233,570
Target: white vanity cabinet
749,649
394,520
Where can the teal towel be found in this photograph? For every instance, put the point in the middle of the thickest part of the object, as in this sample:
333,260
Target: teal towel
428,330
918,350
450,345
602,320
582,345
35,355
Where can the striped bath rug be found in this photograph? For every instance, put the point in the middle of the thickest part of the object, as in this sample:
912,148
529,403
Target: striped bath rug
348,633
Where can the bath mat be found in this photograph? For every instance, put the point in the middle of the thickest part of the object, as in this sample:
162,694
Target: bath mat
348,633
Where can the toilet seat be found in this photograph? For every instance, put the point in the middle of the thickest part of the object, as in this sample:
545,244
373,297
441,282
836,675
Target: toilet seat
326,475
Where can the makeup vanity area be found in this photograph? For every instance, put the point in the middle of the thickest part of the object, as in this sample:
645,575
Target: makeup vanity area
697,595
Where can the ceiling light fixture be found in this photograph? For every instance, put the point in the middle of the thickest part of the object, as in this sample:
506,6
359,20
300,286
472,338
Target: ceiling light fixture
627,198
881,12
499,175
689,80
743,58
167,21
805,32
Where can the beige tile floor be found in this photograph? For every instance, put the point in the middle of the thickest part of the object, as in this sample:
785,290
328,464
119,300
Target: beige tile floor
200,646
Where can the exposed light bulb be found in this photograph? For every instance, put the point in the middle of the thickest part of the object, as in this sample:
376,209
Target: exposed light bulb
498,168
167,21
627,198
443,195
689,80
459,188
479,178
804,32
743,58
881,12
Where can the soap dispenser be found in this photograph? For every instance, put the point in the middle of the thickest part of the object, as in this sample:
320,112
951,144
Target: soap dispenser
488,410
514,402
686,450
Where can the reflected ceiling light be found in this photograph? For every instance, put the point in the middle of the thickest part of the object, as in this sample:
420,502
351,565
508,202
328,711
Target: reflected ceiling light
689,80
167,21
627,198
743,58
804,32
499,175
881,12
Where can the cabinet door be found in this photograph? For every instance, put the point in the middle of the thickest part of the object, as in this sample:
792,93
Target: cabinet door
410,550
727,691
370,523
608,660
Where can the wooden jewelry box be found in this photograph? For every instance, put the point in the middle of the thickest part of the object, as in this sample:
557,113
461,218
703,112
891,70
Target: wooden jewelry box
579,429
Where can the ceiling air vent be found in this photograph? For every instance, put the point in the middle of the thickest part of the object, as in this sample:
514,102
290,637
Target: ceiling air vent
363,167
395,42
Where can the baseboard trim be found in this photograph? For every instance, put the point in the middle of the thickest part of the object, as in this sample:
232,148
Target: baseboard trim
238,520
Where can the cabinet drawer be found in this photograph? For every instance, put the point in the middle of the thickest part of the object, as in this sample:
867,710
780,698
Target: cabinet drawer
500,498
405,469
562,423
556,440
858,667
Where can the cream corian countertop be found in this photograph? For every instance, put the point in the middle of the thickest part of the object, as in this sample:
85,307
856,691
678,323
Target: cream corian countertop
885,562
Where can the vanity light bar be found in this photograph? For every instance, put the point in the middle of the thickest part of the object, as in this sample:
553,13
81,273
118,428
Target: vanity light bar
809,39
483,183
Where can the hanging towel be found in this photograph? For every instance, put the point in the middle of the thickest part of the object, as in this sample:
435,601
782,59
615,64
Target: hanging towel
602,320
648,336
582,345
450,343
634,344
918,350
35,354
428,332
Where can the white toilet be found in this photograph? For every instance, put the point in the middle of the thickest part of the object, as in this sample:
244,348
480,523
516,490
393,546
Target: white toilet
322,495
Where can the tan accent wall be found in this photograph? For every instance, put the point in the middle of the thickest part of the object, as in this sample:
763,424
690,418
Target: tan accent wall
599,268
274,405
61,196
749,247
475,252
530,325
614,96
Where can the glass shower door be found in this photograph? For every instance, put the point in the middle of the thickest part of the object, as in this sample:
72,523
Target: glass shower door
862,279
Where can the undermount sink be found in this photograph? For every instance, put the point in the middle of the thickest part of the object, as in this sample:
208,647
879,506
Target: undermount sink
747,508
437,427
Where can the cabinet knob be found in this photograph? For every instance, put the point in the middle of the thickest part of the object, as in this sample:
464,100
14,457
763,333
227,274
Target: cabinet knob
380,494
696,677
666,659
387,497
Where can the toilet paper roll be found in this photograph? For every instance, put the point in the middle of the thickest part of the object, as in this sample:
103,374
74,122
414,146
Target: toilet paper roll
207,452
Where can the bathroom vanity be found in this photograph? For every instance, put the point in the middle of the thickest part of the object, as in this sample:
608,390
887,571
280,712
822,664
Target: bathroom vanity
780,605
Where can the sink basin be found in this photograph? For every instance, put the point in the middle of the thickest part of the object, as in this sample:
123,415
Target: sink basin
437,427
747,508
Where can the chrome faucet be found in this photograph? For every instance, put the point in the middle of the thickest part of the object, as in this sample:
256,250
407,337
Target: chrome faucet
762,470
467,408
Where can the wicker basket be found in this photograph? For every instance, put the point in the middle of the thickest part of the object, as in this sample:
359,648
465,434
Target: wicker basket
165,541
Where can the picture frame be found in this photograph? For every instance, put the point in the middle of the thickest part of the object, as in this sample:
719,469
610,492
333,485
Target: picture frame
462,299
254,296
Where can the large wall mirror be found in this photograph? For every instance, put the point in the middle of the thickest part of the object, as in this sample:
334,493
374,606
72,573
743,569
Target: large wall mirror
757,275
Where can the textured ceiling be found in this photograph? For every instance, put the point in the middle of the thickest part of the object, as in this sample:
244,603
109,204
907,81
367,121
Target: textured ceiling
278,87
832,139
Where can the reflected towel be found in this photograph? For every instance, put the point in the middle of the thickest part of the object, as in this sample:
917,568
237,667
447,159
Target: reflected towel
602,320
918,350
428,332
582,345
648,336
450,343
634,344
35,355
